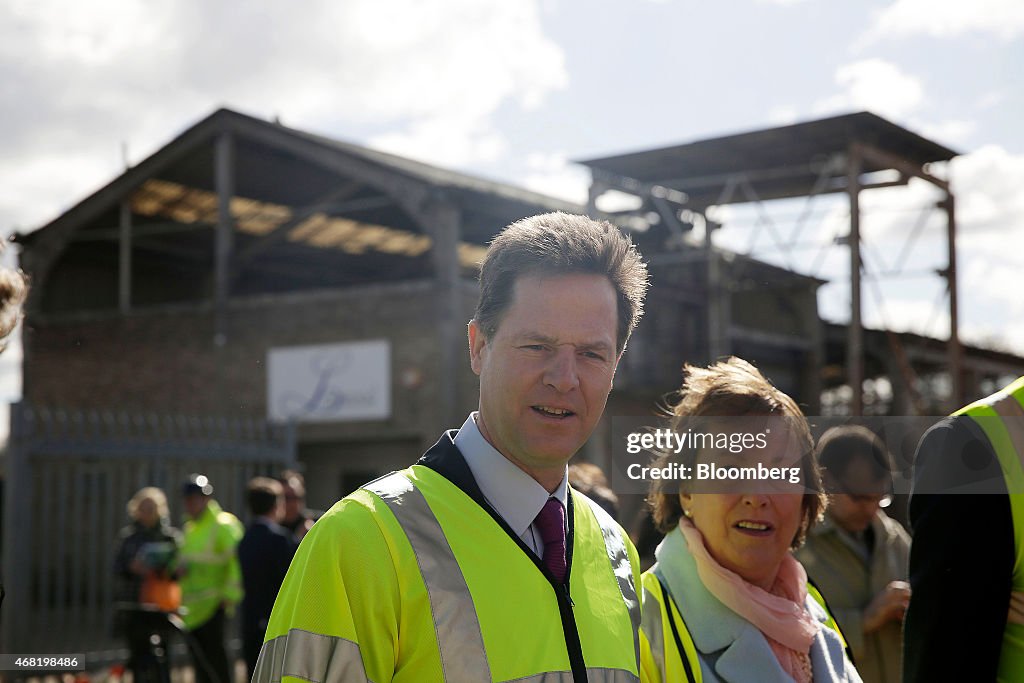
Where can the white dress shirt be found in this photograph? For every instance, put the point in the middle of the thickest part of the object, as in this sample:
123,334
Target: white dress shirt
514,494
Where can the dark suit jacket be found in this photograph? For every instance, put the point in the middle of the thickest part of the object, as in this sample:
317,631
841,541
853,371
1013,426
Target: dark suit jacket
961,557
264,554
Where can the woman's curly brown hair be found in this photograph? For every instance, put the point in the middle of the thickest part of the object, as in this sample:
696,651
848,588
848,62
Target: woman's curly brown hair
733,388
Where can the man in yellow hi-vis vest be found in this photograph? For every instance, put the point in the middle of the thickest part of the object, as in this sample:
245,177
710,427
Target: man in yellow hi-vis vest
479,562
211,580
966,615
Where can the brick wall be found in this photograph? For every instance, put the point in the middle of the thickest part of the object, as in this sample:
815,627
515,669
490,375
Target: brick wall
167,361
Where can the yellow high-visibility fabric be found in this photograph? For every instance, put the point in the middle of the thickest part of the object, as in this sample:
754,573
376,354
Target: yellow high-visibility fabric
1001,418
660,659
364,596
212,575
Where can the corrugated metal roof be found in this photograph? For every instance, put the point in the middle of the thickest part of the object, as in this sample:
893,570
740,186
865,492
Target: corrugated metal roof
501,197
786,160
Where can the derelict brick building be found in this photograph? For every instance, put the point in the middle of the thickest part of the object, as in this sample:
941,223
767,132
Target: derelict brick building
248,274
244,244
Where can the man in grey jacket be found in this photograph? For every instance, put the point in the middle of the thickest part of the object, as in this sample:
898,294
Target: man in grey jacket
858,556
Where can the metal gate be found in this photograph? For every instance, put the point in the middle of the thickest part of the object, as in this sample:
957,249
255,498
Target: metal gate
69,475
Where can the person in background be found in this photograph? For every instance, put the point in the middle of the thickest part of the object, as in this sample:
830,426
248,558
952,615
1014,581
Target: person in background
264,554
13,290
589,479
148,549
726,600
858,557
297,518
211,581
965,621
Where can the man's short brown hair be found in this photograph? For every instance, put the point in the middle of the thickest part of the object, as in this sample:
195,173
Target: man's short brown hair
560,244
263,494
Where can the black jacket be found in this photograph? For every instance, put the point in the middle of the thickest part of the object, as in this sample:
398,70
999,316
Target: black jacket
264,554
135,541
961,557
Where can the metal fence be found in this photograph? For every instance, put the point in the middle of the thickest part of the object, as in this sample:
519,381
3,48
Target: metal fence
69,475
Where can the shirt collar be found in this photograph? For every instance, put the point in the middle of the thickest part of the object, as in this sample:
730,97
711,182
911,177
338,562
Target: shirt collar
514,494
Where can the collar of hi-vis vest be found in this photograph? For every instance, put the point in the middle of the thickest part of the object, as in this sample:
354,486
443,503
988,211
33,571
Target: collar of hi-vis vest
513,494
446,459
425,535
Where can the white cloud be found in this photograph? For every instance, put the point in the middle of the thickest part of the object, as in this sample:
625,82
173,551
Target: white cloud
930,317
990,245
990,251
987,184
991,99
947,18
40,187
950,132
79,80
553,175
874,85
427,77
783,115
445,140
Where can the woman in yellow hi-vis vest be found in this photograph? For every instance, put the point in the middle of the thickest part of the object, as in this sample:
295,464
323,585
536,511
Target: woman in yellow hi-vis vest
967,557
726,600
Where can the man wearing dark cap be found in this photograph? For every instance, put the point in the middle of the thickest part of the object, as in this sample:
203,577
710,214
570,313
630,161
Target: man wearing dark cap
211,581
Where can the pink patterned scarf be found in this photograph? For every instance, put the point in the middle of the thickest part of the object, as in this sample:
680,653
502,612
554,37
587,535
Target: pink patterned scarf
779,614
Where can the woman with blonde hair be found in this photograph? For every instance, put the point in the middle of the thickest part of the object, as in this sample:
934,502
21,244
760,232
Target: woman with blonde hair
726,600
147,551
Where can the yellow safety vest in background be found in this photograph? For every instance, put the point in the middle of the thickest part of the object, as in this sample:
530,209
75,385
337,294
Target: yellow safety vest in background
409,579
1001,418
208,553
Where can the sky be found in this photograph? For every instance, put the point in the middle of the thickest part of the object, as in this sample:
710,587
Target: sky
517,90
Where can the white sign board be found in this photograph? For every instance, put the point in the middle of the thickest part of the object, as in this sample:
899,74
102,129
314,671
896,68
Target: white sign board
330,383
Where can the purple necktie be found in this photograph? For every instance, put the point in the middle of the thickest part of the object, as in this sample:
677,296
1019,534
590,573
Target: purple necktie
551,524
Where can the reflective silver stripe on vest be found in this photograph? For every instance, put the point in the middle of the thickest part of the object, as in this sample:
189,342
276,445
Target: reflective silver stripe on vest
654,628
594,675
311,657
459,640
619,557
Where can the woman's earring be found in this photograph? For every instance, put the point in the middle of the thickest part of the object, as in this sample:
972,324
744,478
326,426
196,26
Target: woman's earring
688,514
